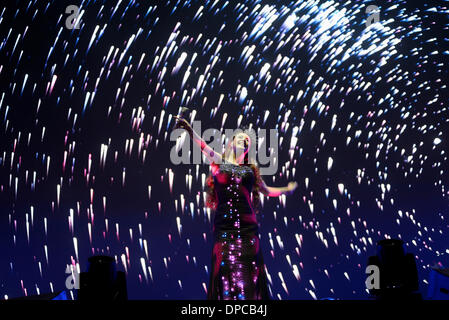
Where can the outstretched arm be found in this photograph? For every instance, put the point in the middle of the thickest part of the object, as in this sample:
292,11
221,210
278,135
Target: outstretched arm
210,154
277,191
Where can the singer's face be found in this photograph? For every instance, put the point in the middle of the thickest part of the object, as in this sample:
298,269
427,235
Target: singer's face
242,142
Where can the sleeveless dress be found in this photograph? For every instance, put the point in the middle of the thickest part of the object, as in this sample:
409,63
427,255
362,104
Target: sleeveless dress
237,268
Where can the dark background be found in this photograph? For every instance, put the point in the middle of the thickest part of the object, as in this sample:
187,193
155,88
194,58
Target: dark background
399,115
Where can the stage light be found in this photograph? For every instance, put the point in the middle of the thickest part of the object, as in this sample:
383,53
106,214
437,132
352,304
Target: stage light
438,284
60,295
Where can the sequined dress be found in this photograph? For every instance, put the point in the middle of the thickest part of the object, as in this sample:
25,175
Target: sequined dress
237,269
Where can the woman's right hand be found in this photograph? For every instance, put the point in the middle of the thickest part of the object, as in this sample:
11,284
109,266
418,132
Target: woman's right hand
212,156
183,124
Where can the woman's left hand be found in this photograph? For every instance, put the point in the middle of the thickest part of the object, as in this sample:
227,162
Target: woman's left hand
292,186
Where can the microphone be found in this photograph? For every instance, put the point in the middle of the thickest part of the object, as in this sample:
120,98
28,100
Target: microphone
183,112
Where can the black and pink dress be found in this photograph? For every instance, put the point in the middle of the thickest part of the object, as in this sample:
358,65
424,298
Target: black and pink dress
238,271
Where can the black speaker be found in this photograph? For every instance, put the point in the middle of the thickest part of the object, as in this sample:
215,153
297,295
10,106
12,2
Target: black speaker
397,271
102,281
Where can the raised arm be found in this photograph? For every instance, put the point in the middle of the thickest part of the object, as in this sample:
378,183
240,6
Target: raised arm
277,191
210,154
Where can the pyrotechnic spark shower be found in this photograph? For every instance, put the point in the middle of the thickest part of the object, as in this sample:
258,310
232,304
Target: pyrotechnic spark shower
85,117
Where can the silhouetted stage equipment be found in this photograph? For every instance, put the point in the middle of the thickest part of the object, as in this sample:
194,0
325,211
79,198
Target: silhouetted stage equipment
102,281
438,284
397,270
